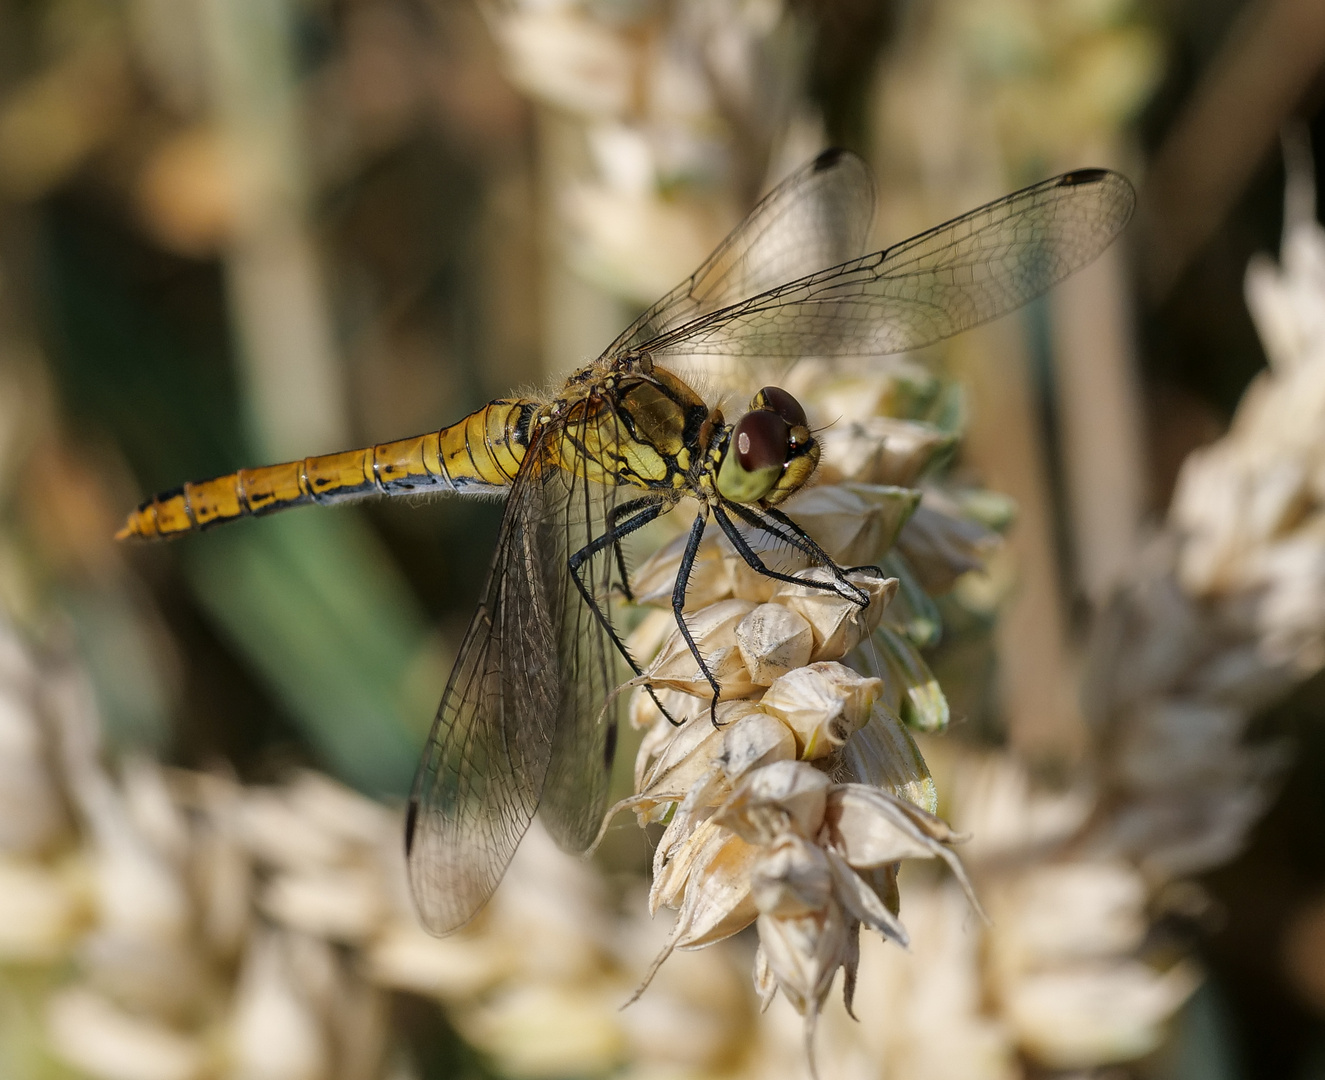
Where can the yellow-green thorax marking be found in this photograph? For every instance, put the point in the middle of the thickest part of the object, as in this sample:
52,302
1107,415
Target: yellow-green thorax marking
642,428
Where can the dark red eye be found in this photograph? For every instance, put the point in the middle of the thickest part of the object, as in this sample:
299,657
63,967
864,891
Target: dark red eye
760,440
782,403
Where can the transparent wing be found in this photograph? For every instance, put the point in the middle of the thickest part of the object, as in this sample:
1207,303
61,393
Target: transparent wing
575,792
819,216
953,277
519,709
482,771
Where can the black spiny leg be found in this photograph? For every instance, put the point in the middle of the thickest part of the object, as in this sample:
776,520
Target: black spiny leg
640,512
679,603
625,508
855,594
779,525
796,529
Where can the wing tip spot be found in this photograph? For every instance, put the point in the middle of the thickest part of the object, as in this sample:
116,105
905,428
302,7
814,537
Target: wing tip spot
411,820
828,158
1078,177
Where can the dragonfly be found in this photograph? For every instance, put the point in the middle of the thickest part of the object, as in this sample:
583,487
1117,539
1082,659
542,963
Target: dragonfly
527,722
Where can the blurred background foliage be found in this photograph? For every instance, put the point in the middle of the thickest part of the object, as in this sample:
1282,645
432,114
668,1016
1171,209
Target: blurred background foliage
234,231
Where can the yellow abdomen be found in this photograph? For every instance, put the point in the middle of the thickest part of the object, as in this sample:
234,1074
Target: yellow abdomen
479,455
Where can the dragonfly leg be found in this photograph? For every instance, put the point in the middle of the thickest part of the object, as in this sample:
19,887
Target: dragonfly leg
612,516
839,585
679,602
767,518
641,512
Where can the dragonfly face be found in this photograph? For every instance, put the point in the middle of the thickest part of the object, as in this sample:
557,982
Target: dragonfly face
769,453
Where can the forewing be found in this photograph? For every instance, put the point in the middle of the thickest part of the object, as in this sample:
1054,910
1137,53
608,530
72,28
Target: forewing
484,766
953,277
817,217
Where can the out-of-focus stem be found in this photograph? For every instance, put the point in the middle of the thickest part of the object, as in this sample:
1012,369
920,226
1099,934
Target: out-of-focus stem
1005,442
280,310
1268,62
578,317
1100,423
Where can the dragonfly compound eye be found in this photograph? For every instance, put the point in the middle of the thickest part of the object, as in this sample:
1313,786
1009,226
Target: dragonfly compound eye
759,447
775,399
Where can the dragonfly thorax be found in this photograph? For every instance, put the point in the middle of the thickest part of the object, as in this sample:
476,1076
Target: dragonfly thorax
642,428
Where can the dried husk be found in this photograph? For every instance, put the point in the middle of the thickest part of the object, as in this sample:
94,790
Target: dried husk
791,878
708,879
710,580
679,670
854,523
863,901
758,739
676,857
883,753
838,624
882,450
941,543
804,954
713,629
718,902
753,740
823,704
692,749
773,640
870,828
684,790
770,801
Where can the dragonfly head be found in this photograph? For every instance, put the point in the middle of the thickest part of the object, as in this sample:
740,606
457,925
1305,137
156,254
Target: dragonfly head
770,453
